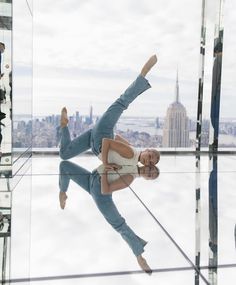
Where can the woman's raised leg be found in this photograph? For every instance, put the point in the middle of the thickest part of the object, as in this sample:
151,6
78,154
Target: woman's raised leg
105,126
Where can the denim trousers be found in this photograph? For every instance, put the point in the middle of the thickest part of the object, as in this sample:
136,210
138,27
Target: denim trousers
91,182
105,125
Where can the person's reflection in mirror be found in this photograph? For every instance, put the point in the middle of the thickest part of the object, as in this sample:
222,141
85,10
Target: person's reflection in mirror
10,84
2,116
112,150
215,92
92,182
2,92
5,225
2,48
113,180
0,141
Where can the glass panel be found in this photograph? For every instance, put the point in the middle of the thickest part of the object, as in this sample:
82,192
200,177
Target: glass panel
221,235
22,84
227,129
110,57
5,135
13,105
173,192
21,226
81,219
5,86
146,123
5,233
170,197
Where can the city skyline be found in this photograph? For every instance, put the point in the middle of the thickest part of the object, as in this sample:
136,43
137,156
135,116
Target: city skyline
141,132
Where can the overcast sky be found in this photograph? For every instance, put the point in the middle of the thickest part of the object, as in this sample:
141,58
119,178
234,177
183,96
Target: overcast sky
88,52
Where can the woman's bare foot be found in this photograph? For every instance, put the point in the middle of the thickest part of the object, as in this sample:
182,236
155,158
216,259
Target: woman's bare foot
64,117
143,264
62,198
148,65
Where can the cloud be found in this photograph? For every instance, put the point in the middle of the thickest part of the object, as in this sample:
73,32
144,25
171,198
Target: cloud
80,41
104,37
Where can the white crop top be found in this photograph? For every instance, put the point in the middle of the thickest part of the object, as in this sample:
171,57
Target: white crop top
114,157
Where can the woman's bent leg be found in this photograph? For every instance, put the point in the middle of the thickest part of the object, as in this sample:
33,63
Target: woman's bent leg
70,148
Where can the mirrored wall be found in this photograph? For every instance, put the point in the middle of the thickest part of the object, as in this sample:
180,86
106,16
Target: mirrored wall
22,85
107,53
16,113
5,85
5,134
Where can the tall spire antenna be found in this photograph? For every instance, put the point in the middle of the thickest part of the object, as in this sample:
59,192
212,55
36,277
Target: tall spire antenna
177,86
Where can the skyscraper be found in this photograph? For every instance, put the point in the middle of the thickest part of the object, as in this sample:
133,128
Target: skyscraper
176,130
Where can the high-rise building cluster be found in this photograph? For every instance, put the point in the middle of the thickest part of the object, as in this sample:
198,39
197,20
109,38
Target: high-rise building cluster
46,131
175,130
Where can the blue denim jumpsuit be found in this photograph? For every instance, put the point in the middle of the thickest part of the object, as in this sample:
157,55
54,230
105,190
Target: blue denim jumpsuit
104,127
91,182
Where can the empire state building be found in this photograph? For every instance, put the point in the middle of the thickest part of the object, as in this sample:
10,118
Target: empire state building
176,130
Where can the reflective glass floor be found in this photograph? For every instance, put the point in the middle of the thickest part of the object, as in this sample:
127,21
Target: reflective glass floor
186,215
